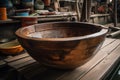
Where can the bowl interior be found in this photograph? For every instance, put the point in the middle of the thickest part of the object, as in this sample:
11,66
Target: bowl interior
59,30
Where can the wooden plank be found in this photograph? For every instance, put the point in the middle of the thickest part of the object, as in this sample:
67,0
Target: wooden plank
9,21
36,71
2,63
100,69
81,71
39,72
110,48
60,14
22,62
99,15
107,42
31,70
10,59
68,0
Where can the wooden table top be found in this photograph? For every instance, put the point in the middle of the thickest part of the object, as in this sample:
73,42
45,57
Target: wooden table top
94,69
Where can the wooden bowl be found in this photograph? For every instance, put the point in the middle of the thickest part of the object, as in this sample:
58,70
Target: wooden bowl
64,45
11,47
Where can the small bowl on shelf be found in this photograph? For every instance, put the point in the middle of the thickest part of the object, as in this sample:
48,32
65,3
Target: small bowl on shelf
22,12
11,47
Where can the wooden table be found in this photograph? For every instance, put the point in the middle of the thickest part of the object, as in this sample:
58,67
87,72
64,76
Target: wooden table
95,69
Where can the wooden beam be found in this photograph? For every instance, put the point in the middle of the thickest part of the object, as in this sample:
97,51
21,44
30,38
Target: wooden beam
115,12
86,9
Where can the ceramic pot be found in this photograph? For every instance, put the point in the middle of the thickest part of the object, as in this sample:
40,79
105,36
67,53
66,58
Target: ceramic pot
3,13
39,5
28,3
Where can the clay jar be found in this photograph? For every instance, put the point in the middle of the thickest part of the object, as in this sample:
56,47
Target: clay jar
3,13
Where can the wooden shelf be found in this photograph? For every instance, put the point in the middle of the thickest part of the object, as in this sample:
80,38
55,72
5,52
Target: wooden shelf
8,21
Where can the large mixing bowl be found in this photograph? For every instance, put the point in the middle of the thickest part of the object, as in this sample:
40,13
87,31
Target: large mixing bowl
64,45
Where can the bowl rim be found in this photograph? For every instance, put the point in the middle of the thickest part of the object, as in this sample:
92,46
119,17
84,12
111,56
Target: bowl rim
103,31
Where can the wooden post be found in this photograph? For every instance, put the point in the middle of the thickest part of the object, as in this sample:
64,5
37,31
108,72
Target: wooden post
83,12
115,12
86,9
56,5
78,10
89,2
